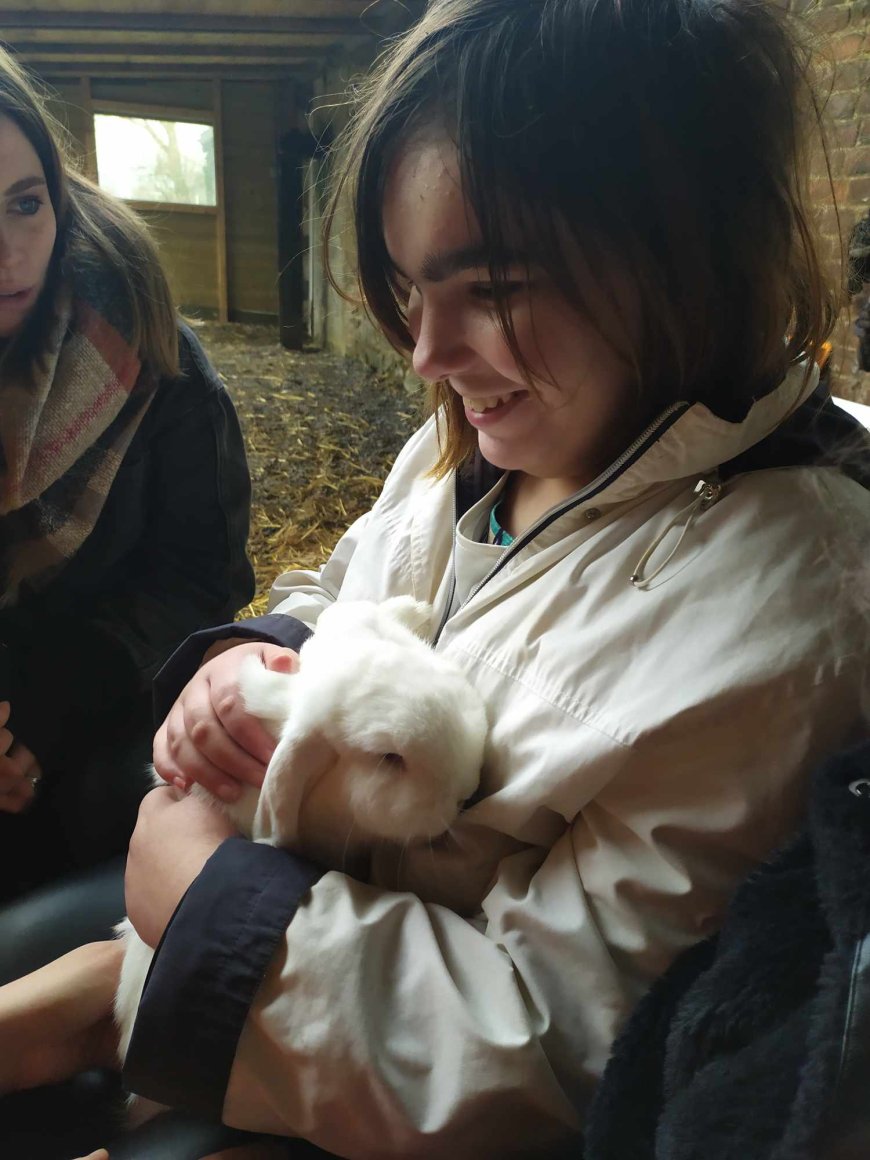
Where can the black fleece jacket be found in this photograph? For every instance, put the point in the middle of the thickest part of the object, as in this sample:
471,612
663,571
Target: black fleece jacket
756,1044
166,558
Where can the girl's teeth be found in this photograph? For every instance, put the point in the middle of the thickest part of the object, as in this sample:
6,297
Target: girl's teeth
489,403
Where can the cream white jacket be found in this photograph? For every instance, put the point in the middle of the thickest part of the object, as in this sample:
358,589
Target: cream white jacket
662,666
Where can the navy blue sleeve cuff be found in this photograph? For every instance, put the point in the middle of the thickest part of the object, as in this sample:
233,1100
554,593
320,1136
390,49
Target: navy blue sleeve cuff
274,628
207,970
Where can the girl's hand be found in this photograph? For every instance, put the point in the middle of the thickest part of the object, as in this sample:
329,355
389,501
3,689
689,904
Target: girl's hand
19,769
208,737
174,838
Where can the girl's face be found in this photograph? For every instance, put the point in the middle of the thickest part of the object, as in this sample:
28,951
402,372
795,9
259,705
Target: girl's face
27,228
585,410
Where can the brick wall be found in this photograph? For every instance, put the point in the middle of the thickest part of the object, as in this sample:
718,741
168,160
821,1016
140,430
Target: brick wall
843,30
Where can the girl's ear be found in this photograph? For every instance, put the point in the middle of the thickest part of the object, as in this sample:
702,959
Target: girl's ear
413,614
300,759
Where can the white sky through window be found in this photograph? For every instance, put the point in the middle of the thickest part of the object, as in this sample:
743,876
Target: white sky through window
153,160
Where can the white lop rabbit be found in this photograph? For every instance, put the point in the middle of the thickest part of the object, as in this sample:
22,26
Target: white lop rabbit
379,737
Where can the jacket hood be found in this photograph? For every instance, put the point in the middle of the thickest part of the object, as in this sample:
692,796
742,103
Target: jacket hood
690,440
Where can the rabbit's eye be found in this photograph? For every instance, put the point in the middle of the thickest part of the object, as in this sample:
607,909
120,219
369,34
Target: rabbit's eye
394,760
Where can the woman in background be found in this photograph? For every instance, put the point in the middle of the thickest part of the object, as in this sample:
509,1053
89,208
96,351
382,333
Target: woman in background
124,501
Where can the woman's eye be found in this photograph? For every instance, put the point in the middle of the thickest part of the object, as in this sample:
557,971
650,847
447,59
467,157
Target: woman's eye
27,206
487,290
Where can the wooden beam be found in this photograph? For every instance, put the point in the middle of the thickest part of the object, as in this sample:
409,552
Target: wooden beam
61,71
89,140
338,24
170,207
154,112
217,60
221,219
31,39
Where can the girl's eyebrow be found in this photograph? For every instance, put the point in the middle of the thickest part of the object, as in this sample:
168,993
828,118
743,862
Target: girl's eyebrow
24,184
438,267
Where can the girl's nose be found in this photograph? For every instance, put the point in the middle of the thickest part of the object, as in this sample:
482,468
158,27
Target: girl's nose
441,347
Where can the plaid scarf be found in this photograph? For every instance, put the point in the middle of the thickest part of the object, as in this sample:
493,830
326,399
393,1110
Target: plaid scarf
64,434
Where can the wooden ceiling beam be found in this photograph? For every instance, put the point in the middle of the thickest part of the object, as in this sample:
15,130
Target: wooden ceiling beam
216,52
31,39
206,9
184,22
84,61
61,72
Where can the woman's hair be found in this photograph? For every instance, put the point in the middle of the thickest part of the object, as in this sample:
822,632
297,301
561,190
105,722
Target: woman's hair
661,139
93,229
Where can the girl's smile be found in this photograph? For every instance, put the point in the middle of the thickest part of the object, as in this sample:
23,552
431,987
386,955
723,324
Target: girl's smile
484,411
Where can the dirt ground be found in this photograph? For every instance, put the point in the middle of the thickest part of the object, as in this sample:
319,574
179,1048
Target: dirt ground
321,433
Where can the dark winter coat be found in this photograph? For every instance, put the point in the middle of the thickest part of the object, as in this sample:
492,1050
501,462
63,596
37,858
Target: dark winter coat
165,558
755,1045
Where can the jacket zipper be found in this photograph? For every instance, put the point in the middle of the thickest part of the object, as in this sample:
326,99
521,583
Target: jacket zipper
707,493
667,418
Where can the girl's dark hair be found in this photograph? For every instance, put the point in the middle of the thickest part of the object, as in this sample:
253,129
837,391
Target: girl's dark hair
93,228
662,139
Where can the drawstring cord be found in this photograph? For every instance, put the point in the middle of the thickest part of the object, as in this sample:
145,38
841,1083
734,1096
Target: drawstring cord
706,495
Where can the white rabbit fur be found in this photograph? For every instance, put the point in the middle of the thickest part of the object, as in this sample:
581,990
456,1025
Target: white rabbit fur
379,737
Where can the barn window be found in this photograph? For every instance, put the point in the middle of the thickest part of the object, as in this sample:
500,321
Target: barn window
145,159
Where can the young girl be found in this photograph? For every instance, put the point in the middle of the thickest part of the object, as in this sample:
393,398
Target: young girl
586,222
124,500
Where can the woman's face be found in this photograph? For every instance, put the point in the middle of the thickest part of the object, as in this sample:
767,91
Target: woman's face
27,228
585,410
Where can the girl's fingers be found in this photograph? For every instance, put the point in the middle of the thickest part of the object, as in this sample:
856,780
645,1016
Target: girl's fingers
178,762
210,736
185,753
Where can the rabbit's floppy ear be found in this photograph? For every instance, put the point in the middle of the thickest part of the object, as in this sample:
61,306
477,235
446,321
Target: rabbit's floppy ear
301,757
413,614
266,694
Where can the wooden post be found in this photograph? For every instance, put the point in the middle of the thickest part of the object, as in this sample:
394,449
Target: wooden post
295,149
89,137
220,193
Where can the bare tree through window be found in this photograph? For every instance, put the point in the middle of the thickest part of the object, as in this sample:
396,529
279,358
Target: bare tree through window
144,159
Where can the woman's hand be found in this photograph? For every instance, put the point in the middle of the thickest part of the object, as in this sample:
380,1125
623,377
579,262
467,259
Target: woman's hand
58,1020
174,838
208,737
19,769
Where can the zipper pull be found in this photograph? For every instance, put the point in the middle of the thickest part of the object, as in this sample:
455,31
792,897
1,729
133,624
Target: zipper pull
706,494
709,493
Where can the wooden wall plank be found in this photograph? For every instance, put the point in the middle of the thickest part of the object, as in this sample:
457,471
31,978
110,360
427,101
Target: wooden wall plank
187,247
220,188
252,203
